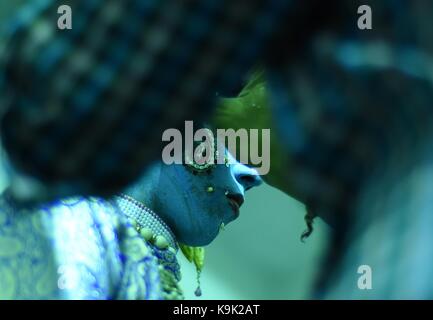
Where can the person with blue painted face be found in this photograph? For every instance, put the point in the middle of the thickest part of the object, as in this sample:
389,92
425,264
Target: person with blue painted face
124,247
195,203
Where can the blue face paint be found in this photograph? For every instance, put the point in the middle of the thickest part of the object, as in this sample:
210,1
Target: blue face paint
195,204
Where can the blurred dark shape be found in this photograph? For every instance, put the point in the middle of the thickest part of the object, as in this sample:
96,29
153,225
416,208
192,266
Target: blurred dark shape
353,109
84,109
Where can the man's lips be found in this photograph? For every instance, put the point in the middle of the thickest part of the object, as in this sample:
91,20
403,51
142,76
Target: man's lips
235,201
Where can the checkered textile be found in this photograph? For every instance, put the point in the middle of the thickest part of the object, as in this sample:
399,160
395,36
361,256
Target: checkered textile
87,106
356,113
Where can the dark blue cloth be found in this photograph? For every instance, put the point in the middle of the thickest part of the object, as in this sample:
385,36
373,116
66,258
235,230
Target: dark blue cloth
85,108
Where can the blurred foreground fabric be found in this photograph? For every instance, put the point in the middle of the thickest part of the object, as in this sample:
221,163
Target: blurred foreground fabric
83,110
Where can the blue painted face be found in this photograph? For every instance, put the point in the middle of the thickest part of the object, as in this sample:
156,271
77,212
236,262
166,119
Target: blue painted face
193,203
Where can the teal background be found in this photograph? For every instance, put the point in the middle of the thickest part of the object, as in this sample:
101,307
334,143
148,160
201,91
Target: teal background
259,256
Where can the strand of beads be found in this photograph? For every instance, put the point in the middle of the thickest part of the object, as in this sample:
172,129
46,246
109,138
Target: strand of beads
169,282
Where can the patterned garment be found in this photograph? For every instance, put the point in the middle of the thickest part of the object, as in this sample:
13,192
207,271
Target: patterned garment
74,249
87,106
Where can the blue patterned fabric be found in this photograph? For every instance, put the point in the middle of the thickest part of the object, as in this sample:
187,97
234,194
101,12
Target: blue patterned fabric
74,249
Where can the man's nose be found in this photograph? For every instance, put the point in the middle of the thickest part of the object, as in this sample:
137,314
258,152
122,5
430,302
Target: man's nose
246,176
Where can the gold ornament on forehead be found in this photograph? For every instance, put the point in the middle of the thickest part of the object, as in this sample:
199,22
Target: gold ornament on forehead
204,155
